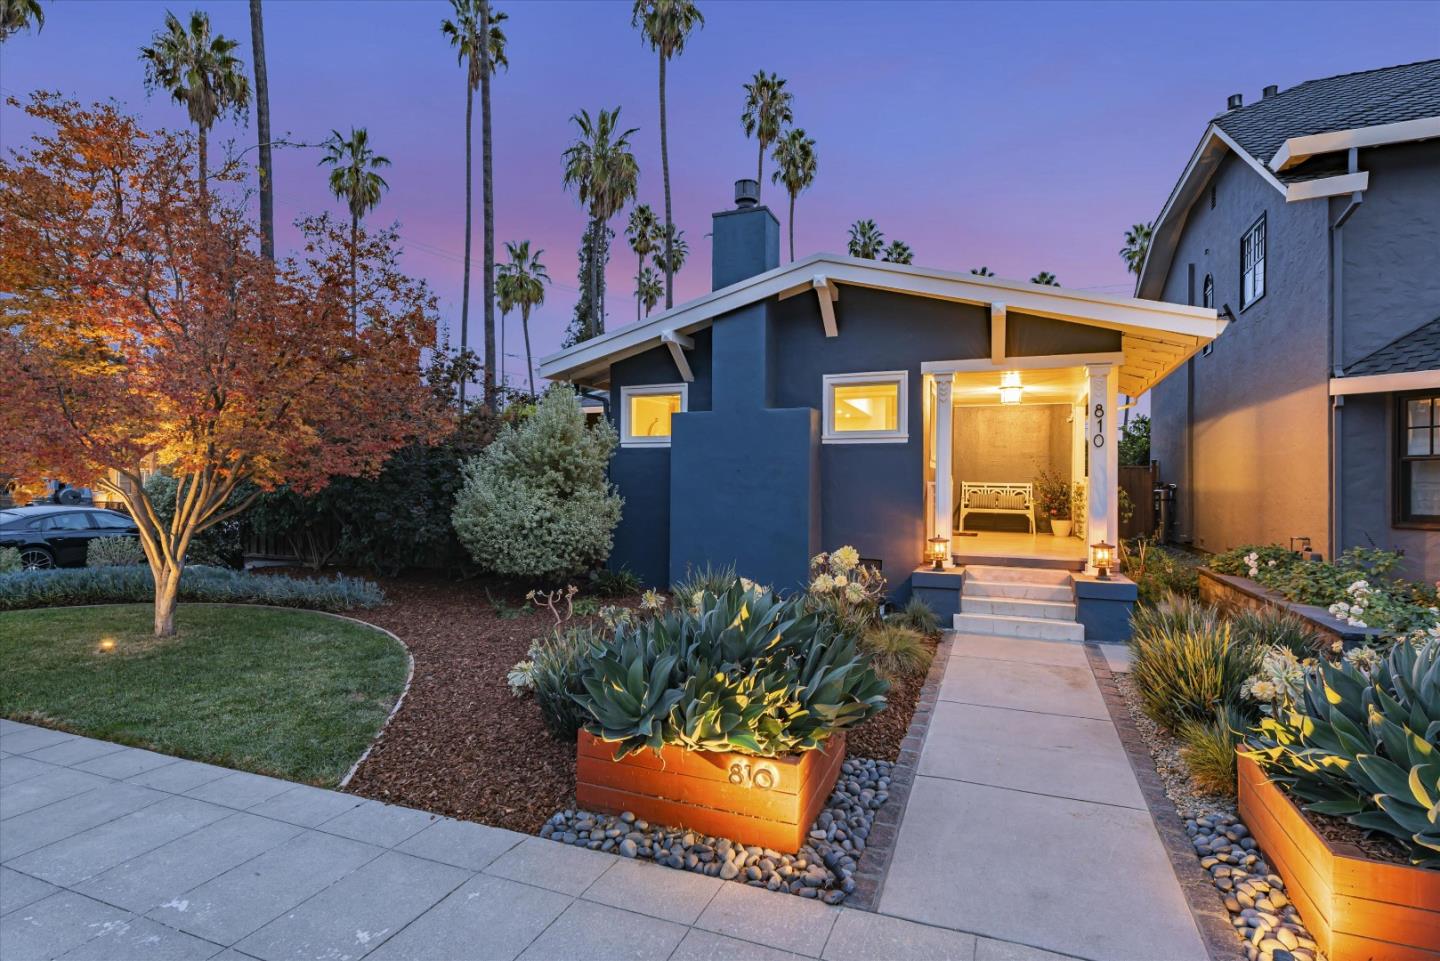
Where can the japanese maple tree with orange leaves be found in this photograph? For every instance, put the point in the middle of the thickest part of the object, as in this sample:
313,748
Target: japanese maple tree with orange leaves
141,329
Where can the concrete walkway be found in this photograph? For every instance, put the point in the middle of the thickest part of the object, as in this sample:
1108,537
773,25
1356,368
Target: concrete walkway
109,853
1026,822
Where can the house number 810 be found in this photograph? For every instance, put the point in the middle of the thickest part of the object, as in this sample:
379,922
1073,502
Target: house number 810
762,775
1099,425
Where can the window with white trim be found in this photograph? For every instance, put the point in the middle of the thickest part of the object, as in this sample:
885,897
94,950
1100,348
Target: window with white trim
646,412
867,408
1252,264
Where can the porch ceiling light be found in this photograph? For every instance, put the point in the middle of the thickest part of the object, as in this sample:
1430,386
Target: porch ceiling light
1010,387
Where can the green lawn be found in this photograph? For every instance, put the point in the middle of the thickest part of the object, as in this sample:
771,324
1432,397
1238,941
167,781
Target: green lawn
294,694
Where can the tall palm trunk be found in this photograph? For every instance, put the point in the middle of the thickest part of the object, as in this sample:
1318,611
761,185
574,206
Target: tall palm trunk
595,320
488,191
760,169
469,202
525,329
354,283
501,353
792,227
665,169
639,269
204,166
262,127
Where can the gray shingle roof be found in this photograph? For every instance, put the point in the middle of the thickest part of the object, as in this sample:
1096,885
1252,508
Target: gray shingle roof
1365,99
1417,350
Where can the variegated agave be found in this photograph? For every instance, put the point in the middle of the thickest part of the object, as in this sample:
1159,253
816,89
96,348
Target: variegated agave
1365,747
743,670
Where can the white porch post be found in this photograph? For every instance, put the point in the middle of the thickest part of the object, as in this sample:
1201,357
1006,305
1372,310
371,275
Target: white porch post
942,522
1101,507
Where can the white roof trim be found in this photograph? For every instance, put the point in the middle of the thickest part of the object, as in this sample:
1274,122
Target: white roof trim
1297,150
1328,186
1198,171
1385,383
1182,324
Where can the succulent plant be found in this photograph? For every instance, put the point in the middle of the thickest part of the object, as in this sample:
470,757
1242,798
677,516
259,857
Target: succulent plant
740,670
1365,746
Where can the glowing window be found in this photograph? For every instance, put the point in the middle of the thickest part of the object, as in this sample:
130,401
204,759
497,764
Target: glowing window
861,408
646,413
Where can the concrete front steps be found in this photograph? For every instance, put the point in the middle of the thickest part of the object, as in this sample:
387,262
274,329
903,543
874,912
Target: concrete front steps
1029,602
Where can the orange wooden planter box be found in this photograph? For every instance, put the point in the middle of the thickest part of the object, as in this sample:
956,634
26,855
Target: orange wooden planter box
771,802
1358,909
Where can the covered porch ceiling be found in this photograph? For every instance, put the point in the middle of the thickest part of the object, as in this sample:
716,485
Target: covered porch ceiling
1058,385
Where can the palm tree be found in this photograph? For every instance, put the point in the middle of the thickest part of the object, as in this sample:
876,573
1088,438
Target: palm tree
767,110
866,240
602,169
982,272
474,20
522,284
17,15
200,71
504,302
353,180
643,232
1137,245
1046,278
898,252
671,257
795,168
650,288
262,130
666,25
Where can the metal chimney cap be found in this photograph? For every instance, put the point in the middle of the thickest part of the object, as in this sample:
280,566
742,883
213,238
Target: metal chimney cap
747,192
1235,102
1269,91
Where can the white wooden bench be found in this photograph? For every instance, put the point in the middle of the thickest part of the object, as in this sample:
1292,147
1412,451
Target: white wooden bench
996,499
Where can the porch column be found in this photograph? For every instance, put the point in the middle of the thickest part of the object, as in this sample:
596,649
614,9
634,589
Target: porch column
943,520
1101,507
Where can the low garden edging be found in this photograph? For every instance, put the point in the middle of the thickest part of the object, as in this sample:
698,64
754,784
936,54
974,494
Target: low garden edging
1357,908
1233,592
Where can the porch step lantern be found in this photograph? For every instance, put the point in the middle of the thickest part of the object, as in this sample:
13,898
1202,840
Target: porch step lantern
937,552
1102,558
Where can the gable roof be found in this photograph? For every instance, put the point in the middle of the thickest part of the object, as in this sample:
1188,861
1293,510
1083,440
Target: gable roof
1369,98
1157,337
1416,351
1297,141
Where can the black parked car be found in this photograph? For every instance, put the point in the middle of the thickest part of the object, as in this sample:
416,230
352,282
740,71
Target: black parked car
57,535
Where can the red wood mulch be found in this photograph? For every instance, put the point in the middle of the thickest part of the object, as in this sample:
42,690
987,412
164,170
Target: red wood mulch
462,745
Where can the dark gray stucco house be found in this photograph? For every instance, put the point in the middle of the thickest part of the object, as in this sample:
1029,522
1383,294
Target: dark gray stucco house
1312,218
835,401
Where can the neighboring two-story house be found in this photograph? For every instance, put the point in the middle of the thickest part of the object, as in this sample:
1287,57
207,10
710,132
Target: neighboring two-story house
1310,220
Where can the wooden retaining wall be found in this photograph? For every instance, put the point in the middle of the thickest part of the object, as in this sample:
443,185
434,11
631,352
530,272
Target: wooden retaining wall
1357,909
771,802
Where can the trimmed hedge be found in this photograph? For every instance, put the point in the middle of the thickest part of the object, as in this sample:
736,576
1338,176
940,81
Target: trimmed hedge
64,587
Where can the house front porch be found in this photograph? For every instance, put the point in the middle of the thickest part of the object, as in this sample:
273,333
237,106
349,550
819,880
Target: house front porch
1017,549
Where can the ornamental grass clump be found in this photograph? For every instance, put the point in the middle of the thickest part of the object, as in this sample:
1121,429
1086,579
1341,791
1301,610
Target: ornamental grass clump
1362,742
918,616
897,651
742,670
1188,662
113,552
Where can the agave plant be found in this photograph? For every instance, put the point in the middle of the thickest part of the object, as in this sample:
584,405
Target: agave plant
740,670
1365,746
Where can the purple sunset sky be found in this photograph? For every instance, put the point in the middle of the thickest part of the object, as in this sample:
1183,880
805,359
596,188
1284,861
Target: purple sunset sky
1022,136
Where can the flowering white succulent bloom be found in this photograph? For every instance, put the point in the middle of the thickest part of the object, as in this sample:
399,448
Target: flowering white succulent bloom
521,678
1365,658
822,584
1262,690
845,559
653,600
854,593
819,560
840,581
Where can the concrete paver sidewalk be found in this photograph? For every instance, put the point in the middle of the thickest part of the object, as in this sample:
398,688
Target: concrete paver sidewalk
117,854
1026,822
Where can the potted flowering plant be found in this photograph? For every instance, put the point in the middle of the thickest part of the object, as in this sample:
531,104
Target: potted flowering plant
1053,497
